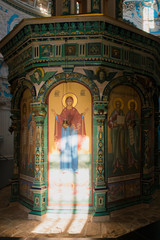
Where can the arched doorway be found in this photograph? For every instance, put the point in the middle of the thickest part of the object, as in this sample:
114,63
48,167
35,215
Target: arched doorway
124,145
70,147
27,148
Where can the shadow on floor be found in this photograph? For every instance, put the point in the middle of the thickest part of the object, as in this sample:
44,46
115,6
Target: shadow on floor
149,232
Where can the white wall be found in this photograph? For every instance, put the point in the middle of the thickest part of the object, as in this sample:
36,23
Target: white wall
6,139
9,18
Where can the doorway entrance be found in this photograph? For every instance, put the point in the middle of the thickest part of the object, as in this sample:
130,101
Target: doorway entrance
70,147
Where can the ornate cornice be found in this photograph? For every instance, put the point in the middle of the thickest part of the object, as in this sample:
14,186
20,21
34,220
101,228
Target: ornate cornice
77,25
92,29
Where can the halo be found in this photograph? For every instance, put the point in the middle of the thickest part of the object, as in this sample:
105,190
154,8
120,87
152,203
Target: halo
40,70
118,99
132,100
69,95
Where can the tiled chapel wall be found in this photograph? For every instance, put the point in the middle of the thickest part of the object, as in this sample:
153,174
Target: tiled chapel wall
97,64
27,146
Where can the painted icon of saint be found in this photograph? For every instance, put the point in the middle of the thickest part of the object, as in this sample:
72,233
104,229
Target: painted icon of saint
133,134
24,134
116,123
69,133
31,136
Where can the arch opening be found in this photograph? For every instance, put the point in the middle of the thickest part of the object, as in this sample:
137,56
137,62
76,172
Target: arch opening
124,145
70,148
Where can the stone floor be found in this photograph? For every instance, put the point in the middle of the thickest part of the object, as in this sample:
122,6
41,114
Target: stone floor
14,222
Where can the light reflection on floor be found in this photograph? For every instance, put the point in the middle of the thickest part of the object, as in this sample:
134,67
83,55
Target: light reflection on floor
68,193
58,223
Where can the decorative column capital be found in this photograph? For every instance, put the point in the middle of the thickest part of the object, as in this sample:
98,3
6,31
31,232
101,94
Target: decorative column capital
39,111
100,109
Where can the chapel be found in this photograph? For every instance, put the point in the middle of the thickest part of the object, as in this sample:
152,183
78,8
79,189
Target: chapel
83,80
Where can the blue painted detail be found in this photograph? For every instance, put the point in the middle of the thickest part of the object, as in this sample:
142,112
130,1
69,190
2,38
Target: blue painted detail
155,14
7,94
139,13
155,33
3,9
5,84
9,22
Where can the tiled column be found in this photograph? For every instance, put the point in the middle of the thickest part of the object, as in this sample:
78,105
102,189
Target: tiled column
148,163
15,128
39,188
100,188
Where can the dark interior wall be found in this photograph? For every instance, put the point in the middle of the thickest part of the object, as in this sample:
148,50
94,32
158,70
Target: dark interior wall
6,172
